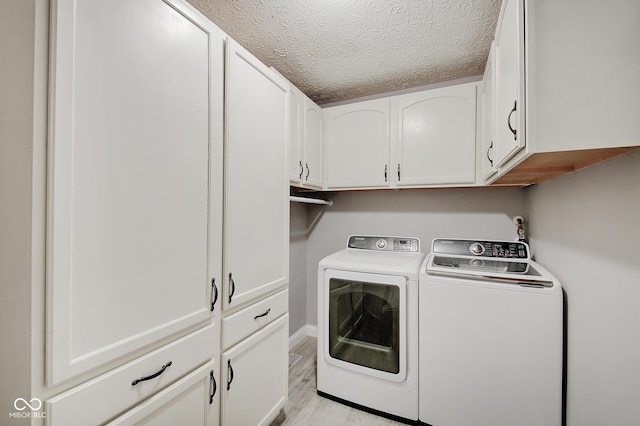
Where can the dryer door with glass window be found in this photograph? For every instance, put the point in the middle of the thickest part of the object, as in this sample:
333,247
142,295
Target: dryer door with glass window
366,323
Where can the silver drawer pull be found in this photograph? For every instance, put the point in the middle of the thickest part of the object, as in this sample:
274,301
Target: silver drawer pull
262,315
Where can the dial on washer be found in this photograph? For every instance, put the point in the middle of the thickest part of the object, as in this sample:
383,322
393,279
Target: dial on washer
476,249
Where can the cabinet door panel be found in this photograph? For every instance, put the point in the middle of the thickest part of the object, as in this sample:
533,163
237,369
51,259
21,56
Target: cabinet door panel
313,126
296,117
358,145
255,376
78,404
135,136
488,151
256,221
509,82
436,136
187,402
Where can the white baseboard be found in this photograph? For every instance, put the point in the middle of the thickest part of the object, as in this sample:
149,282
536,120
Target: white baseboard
307,330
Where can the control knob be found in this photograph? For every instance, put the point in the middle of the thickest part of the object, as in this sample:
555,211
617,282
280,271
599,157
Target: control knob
476,249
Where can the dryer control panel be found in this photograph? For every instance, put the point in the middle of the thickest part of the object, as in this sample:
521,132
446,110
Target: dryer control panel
397,244
499,249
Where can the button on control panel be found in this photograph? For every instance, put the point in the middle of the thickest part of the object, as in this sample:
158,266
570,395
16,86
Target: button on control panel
499,249
476,248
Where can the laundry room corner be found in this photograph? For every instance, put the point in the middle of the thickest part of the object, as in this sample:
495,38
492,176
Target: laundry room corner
298,229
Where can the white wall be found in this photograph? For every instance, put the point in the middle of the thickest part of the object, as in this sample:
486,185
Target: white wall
297,267
426,214
18,118
585,228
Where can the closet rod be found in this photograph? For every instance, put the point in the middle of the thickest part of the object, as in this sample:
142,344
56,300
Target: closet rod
310,200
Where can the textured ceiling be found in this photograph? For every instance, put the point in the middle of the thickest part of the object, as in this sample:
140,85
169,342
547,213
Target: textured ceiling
335,50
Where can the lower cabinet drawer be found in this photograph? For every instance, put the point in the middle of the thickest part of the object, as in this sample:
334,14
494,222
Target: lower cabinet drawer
110,394
191,401
241,324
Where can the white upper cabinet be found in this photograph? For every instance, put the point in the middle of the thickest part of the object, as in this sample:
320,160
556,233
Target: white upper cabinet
313,128
566,94
420,139
436,136
509,82
134,179
296,136
256,208
488,118
305,141
357,141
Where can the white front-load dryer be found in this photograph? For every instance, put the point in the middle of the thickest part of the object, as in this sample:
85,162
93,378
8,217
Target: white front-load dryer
368,325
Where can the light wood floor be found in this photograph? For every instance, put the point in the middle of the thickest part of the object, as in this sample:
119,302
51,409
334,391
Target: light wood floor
306,407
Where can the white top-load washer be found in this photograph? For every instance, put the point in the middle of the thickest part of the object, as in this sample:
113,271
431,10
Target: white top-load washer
491,336
368,325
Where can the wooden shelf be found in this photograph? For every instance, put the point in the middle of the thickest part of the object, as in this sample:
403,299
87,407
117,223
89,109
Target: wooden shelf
547,165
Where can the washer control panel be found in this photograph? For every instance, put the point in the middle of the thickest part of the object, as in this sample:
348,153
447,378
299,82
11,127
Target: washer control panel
499,249
398,244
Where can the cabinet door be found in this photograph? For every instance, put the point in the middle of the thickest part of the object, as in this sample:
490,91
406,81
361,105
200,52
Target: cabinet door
487,151
313,126
296,121
510,102
256,211
255,376
436,136
357,138
193,401
134,188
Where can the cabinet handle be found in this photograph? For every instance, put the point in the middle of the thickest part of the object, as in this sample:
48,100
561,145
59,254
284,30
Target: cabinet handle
515,135
398,171
213,386
229,373
214,290
489,150
301,170
232,284
153,376
307,176
385,172
262,315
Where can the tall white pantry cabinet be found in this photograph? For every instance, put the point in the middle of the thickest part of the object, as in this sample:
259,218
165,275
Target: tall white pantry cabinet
255,327
116,219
